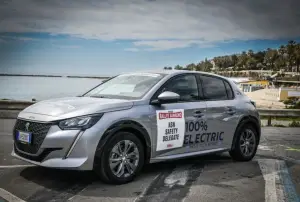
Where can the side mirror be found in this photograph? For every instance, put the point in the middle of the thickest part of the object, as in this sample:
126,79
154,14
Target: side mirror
166,97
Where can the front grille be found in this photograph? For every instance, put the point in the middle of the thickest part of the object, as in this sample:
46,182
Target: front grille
39,132
38,158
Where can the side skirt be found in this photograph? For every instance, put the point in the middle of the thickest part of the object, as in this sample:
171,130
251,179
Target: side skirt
185,155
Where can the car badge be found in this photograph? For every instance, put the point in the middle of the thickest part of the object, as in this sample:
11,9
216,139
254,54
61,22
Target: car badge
27,126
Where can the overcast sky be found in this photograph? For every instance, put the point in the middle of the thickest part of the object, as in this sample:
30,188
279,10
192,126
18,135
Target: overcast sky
88,37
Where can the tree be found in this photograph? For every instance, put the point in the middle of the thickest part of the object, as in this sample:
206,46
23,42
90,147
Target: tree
204,66
270,57
191,66
285,57
250,53
297,56
251,63
234,59
290,50
178,67
243,60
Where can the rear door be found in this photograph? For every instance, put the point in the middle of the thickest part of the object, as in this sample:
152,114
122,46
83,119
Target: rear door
222,116
175,125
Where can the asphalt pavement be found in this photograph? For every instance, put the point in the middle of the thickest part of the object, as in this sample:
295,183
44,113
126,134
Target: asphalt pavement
273,175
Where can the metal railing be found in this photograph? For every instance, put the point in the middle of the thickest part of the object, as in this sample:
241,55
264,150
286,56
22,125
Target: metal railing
279,113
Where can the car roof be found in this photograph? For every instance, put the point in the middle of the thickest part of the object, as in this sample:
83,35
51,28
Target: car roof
177,72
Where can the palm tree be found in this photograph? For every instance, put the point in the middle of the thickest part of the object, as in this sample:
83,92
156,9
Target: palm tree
297,56
234,59
270,57
291,54
243,58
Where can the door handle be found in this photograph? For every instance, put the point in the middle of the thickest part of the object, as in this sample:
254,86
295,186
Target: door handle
230,111
198,114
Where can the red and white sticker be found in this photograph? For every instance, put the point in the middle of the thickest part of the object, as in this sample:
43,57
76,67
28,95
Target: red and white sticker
170,129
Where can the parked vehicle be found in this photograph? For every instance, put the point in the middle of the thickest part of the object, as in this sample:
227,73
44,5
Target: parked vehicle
138,118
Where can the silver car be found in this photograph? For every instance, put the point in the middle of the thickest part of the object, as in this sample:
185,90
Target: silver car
138,118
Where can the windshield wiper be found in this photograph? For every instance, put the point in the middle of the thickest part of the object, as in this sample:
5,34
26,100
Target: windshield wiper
99,96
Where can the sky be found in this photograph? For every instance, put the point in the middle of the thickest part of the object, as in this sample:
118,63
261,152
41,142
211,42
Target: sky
107,37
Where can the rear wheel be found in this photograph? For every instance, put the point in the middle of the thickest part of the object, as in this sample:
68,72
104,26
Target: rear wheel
122,158
246,143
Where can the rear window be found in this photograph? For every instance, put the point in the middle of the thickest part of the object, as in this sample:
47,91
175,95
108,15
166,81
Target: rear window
215,88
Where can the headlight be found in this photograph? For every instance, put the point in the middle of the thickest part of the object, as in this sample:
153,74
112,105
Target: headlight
79,123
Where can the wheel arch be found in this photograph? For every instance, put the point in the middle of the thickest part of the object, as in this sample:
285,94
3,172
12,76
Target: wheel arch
247,120
128,126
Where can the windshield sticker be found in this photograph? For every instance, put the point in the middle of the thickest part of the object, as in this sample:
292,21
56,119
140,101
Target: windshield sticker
170,129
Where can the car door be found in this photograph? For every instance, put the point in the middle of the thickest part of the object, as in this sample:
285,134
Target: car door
187,117
222,116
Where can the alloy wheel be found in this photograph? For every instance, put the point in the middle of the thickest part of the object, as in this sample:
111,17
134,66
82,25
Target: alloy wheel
124,158
247,142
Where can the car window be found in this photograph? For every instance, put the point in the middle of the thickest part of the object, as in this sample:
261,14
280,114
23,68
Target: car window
185,85
213,88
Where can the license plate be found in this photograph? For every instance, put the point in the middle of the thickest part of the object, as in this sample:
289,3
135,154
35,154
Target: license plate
24,137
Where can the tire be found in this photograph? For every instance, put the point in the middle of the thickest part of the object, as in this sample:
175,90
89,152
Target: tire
238,151
108,171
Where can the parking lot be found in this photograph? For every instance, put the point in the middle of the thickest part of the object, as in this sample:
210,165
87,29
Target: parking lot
274,175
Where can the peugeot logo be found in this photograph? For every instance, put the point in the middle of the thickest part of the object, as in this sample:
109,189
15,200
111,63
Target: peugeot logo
27,126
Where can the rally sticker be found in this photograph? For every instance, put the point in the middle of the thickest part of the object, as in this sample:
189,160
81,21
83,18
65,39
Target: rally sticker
170,129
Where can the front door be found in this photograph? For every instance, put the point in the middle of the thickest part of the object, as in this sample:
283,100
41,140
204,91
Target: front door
175,125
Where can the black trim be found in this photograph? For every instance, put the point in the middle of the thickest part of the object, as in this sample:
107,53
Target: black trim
200,87
38,158
126,125
246,120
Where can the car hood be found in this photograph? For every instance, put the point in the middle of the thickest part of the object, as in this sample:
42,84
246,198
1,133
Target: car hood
74,106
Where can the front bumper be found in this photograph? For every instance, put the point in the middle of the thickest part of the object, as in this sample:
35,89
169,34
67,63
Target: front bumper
64,149
71,163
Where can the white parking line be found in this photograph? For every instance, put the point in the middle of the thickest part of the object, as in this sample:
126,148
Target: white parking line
268,169
9,196
278,185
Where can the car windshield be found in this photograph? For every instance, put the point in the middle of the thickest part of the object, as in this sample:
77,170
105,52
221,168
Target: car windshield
126,86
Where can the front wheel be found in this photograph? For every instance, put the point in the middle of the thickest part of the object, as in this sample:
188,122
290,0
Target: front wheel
122,158
246,143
